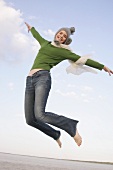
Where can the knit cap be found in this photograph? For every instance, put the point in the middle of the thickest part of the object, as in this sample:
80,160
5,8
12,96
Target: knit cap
69,32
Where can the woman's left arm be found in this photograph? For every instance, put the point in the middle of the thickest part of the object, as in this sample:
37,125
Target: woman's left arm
98,65
108,70
91,63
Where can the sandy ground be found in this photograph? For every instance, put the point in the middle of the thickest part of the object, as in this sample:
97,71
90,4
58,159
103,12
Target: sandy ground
18,166
19,162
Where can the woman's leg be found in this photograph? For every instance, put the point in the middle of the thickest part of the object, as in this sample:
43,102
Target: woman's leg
42,88
29,112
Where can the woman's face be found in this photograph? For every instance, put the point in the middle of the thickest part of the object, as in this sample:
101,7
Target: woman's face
61,36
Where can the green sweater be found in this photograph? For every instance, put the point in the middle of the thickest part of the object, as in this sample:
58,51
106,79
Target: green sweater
49,55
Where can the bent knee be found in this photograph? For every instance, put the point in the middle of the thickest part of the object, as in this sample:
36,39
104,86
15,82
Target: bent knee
30,122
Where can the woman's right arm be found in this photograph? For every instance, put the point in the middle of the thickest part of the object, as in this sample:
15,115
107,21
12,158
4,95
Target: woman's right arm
35,34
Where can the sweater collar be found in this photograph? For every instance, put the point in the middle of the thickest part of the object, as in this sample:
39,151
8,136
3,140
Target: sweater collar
56,44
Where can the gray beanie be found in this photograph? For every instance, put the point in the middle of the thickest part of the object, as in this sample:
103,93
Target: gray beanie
69,32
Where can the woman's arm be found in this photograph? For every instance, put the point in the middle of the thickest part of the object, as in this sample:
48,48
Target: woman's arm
35,34
91,63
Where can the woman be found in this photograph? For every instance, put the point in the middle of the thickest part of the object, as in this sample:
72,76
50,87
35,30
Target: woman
38,84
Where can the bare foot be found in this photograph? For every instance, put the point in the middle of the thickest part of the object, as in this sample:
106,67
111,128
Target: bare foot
59,142
77,138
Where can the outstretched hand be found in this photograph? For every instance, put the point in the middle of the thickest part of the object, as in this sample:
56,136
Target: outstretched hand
28,26
108,70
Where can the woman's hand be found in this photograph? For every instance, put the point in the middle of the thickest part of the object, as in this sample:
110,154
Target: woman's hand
28,26
108,70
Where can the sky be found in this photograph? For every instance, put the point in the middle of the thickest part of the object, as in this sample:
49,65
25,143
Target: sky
87,98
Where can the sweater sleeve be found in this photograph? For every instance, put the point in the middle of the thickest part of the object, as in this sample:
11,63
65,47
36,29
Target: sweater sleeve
94,64
37,36
91,63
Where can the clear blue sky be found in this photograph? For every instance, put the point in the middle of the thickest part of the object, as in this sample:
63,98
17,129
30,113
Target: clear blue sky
87,98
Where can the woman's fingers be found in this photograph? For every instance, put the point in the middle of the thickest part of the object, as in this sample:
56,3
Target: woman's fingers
108,70
111,71
28,26
26,23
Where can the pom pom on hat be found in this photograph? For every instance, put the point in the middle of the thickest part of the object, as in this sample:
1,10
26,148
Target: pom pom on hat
72,30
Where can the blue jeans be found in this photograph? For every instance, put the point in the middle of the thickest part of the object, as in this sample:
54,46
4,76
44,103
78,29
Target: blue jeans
36,94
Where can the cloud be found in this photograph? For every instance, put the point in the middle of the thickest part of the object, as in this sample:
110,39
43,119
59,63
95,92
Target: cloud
11,85
67,94
100,97
82,89
86,100
87,89
49,33
71,86
32,17
72,94
15,44
81,93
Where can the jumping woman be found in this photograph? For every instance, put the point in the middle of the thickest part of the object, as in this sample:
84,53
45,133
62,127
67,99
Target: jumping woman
38,84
